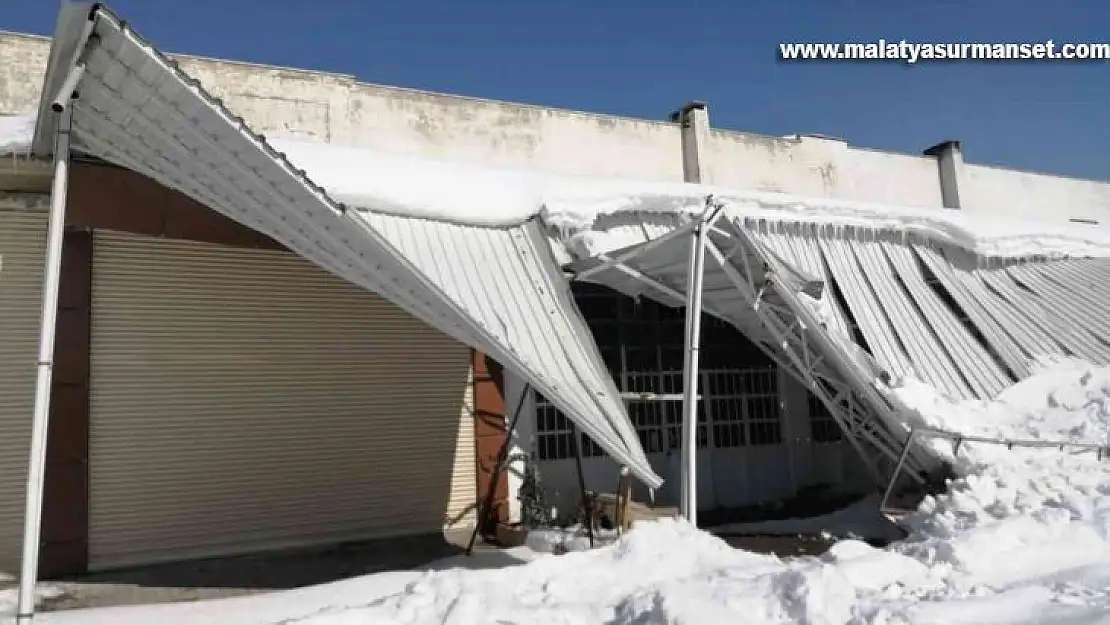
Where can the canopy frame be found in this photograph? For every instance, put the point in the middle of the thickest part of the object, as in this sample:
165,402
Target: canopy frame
845,379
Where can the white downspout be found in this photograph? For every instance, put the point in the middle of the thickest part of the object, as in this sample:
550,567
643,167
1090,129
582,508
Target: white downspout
36,467
694,281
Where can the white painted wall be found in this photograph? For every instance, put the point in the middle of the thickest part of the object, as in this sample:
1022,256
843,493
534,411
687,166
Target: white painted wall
509,135
985,189
820,167
23,61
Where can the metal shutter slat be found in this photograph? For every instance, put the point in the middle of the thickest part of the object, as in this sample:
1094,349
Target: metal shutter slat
22,251
245,399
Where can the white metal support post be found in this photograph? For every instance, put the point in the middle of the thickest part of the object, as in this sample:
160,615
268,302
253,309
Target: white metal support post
36,466
695,280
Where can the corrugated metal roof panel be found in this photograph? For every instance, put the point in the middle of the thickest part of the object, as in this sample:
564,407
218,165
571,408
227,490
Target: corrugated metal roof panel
985,376
865,305
1060,298
497,290
504,277
981,313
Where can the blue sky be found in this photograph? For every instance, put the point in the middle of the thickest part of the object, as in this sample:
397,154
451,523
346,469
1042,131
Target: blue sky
646,58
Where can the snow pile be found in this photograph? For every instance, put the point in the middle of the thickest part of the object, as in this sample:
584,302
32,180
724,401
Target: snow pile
1023,516
662,572
15,134
1065,400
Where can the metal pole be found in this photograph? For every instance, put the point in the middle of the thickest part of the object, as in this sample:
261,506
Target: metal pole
582,483
898,469
694,282
495,479
687,347
36,466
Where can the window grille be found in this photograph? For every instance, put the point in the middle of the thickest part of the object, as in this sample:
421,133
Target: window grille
823,427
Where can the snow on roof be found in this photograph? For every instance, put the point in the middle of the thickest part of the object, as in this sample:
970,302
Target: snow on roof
607,223
575,205
473,195
15,133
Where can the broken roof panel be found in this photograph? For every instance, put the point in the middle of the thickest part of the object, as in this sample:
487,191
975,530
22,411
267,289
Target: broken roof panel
495,289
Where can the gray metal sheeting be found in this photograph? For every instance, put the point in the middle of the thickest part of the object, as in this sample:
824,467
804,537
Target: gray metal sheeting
866,306
799,247
497,290
735,291
980,370
982,312
1021,310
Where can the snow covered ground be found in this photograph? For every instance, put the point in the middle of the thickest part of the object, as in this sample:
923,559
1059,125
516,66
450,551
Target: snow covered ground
1022,537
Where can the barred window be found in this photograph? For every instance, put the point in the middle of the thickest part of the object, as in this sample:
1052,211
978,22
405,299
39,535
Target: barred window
656,422
745,407
823,426
654,426
554,435
641,342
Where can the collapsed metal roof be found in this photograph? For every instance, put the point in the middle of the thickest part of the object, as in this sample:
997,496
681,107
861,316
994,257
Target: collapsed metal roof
849,310
498,290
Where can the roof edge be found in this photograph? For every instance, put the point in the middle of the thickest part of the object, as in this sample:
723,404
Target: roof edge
72,19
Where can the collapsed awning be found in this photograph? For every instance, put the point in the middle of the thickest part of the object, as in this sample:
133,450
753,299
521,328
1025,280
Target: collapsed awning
498,290
773,304
847,310
965,324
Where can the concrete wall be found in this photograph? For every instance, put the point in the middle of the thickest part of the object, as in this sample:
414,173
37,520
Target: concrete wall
512,135
334,108
985,189
820,167
22,70
337,108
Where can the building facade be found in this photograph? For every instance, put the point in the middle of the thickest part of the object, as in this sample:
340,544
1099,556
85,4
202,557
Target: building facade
350,419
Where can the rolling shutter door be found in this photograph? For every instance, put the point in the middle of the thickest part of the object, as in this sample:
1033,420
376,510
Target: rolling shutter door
245,399
22,251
